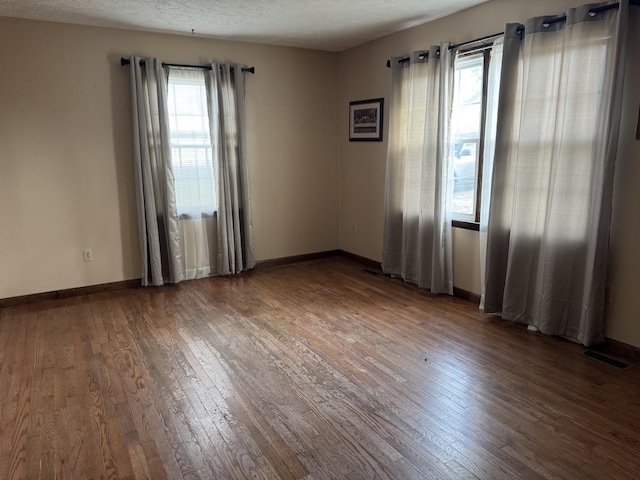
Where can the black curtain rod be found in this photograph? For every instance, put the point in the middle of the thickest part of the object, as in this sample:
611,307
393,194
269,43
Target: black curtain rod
125,61
451,47
424,54
476,40
592,12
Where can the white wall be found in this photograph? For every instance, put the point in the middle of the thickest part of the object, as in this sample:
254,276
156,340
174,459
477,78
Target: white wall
362,165
66,168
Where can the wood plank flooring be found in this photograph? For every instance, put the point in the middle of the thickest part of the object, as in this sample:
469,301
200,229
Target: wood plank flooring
315,370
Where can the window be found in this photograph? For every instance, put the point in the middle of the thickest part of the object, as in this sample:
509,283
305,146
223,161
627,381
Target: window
191,151
467,127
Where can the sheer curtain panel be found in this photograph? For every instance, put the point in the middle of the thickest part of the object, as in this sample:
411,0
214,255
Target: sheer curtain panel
417,230
551,194
157,213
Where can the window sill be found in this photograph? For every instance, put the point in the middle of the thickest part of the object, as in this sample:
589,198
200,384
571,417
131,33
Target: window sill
466,225
193,216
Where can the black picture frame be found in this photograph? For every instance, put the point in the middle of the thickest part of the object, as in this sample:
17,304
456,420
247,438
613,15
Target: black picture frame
638,126
366,120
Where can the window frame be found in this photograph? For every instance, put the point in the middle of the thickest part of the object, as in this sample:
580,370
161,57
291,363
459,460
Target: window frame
472,221
192,210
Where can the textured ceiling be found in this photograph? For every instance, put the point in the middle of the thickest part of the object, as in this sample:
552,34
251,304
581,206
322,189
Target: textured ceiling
332,25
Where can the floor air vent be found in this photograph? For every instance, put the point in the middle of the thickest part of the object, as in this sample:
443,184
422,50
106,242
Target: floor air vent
601,357
370,272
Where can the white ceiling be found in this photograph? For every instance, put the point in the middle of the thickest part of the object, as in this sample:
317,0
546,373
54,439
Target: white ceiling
332,25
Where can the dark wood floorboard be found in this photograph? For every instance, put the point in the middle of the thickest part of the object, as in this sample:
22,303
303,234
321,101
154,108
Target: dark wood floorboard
315,370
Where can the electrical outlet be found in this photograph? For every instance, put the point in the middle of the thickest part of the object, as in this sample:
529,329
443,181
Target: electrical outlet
87,255
355,228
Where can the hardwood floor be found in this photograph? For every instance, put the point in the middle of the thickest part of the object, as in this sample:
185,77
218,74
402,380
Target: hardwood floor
315,370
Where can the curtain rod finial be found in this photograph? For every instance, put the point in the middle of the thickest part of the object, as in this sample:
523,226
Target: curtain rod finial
124,61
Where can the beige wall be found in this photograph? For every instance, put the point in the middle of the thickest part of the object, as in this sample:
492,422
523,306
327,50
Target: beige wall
66,171
624,273
66,175
362,165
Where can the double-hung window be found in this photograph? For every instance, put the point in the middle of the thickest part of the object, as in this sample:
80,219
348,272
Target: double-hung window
191,148
467,129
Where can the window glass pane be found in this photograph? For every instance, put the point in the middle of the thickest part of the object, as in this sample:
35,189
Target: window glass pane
190,123
191,150
466,118
464,175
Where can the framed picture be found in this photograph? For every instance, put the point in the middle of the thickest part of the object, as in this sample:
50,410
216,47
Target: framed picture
638,126
365,120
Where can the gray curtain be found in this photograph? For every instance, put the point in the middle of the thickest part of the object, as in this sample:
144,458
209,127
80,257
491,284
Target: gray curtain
225,91
500,209
551,194
491,125
417,229
157,214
